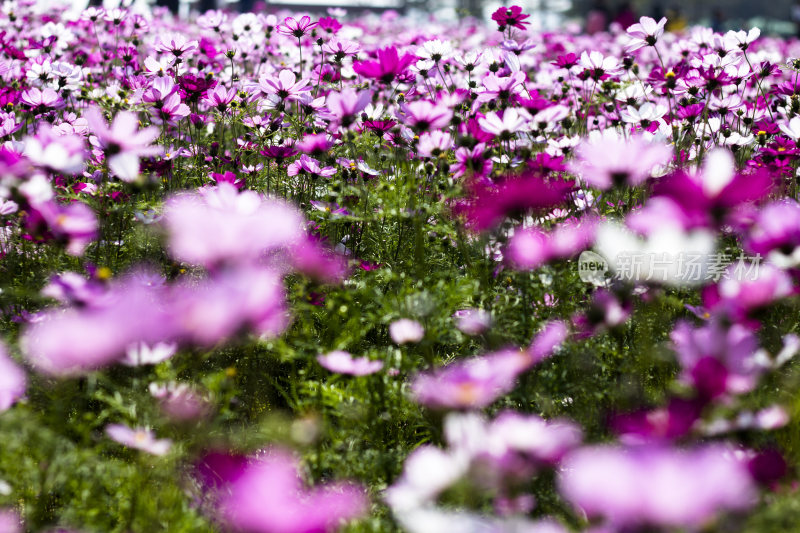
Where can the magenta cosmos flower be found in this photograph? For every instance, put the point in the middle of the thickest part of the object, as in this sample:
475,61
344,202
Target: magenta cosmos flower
716,189
717,359
342,362
123,143
139,438
388,66
268,496
656,486
514,195
510,17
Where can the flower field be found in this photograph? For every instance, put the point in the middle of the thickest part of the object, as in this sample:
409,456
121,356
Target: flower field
282,273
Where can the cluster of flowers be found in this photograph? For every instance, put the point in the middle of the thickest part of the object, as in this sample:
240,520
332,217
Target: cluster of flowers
630,142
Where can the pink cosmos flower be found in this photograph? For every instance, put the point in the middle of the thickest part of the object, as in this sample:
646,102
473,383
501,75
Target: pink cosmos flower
546,441
422,115
62,153
345,105
237,299
13,381
776,233
471,383
140,353
548,340
530,248
313,259
472,321
716,189
656,486
405,330
434,143
139,438
296,28
472,163
341,48
267,496
599,65
123,143
606,161
74,289
222,224
176,44
179,401
315,144
645,33
342,362
75,223
495,87
170,111
507,125
10,522
309,166
40,100
77,340
284,86
749,286
219,98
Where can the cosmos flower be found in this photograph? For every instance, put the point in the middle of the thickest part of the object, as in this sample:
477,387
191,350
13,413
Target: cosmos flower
645,33
296,28
223,224
488,204
342,362
471,383
219,98
510,17
13,381
472,321
605,161
122,142
140,438
345,105
717,359
307,165
140,354
284,86
176,44
388,66
681,488
268,496
405,330
423,115
179,401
